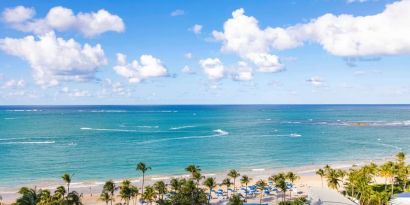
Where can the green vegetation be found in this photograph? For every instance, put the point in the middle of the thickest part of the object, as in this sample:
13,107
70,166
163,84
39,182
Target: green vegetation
360,182
31,196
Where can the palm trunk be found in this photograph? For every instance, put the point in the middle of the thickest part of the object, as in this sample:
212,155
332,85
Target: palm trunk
260,200
392,186
385,184
321,179
142,186
246,192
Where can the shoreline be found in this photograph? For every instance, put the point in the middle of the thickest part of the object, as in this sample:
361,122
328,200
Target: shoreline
90,188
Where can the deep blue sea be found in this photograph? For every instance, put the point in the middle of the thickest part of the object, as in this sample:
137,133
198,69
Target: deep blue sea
40,143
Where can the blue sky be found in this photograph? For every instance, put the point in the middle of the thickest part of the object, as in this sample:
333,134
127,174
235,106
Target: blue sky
267,52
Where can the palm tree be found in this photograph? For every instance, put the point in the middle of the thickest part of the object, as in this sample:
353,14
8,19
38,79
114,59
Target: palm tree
333,179
142,167
73,198
281,184
401,156
149,194
245,180
321,173
385,171
234,174
193,169
125,191
227,182
210,183
175,184
197,176
292,177
161,189
104,196
67,179
261,186
1,198
110,188
59,193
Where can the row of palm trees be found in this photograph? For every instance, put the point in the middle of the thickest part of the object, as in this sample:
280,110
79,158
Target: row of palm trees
195,190
61,196
158,190
360,182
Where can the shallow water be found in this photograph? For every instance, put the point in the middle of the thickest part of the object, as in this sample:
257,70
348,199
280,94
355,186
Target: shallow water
103,142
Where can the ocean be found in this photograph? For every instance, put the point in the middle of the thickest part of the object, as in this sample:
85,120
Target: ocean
97,143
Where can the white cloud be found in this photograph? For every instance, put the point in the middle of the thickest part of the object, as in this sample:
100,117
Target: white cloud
14,84
55,59
316,81
63,19
135,72
213,68
242,72
187,70
385,33
197,29
188,55
242,35
178,12
18,14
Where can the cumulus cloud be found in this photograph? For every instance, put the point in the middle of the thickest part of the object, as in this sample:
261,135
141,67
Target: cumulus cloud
241,34
385,33
18,14
147,67
197,29
63,19
242,72
54,59
316,81
178,12
213,68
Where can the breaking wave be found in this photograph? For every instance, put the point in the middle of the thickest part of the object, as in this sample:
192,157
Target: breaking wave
182,127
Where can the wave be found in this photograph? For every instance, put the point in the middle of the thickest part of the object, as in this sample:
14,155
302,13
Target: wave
10,118
221,132
218,133
110,130
29,142
141,126
109,111
20,110
182,127
295,135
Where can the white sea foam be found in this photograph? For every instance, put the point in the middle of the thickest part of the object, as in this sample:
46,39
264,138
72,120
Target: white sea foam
110,130
257,170
114,111
30,142
221,132
295,135
218,132
21,110
182,127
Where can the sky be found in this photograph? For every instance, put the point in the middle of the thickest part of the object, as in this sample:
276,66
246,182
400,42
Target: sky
205,52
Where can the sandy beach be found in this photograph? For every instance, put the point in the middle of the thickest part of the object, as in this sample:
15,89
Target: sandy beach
91,190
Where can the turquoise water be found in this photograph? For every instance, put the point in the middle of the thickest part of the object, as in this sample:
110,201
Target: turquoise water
103,142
